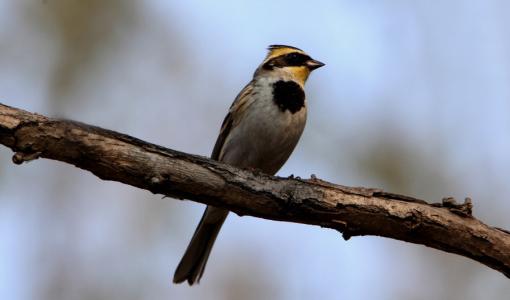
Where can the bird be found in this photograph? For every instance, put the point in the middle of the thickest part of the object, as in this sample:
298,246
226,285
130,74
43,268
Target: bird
260,131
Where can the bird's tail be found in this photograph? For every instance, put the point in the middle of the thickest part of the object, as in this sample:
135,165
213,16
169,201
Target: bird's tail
193,262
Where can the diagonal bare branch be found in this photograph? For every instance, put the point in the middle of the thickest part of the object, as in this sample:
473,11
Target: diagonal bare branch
446,226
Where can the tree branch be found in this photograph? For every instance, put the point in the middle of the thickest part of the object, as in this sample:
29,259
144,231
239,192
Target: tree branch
446,226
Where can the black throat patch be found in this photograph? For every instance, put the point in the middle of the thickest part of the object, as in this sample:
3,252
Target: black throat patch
288,95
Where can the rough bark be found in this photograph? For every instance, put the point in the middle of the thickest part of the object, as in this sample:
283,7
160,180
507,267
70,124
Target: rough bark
446,226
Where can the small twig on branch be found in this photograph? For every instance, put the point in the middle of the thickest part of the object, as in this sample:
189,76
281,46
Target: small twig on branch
446,226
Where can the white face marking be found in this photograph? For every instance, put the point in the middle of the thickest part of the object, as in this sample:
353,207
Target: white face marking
276,74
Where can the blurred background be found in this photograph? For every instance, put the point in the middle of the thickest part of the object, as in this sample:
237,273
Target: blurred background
415,99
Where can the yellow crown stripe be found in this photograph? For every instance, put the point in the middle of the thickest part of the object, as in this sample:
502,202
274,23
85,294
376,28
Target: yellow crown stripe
281,51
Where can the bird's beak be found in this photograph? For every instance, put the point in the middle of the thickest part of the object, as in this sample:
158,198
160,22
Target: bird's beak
313,64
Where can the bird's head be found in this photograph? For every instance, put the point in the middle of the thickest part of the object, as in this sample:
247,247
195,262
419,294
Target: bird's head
290,60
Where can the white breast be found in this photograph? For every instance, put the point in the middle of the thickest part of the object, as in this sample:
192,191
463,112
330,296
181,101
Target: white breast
265,136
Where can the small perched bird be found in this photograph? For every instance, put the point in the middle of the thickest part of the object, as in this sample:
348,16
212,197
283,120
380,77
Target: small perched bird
260,132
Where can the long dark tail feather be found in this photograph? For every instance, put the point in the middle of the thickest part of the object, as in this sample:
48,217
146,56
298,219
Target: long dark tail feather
193,262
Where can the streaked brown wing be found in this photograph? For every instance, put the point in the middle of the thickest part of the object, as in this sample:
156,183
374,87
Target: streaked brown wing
235,113
225,129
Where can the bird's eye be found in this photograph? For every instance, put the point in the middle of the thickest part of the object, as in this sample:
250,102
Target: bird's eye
293,56
296,59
